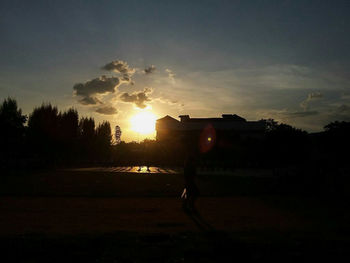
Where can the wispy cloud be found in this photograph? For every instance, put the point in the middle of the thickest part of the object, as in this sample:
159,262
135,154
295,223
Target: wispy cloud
299,114
168,101
171,75
339,113
312,96
285,115
284,92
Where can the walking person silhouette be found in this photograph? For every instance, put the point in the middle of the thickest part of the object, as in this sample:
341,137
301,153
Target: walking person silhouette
191,192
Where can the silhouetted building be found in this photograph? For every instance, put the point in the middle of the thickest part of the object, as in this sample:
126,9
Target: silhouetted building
219,131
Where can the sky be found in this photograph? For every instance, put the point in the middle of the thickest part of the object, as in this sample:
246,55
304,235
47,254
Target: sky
286,60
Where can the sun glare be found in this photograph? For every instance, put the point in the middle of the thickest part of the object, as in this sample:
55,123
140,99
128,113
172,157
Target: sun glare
143,122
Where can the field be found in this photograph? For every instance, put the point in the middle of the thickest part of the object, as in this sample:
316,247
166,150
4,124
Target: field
100,215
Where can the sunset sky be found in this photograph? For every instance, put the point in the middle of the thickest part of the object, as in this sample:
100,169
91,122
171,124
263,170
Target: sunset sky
287,60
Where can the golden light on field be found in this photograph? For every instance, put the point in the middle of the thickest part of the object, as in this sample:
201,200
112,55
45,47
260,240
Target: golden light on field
143,122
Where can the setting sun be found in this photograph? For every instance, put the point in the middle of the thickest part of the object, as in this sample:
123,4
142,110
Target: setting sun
143,122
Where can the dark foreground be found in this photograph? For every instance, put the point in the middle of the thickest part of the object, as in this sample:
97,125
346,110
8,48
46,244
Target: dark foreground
181,247
63,218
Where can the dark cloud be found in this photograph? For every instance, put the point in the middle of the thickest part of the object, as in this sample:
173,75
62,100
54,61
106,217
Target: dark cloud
92,92
121,67
149,69
107,110
139,98
89,101
91,88
312,96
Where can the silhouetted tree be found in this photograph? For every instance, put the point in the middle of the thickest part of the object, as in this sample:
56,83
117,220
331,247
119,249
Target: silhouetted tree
69,124
339,127
87,138
336,141
11,129
284,144
103,141
68,133
270,124
103,133
87,128
43,131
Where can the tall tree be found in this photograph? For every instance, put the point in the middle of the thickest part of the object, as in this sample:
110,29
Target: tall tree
69,124
68,133
87,128
103,133
11,128
87,139
43,131
104,140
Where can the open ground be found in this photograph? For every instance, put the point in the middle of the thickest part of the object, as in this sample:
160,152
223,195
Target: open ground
104,215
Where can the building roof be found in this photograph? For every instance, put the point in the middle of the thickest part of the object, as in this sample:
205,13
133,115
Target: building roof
225,118
167,118
227,122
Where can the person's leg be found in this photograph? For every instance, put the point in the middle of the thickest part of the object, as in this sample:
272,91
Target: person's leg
186,205
191,204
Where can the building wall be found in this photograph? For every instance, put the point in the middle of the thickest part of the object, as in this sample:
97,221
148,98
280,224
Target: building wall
169,128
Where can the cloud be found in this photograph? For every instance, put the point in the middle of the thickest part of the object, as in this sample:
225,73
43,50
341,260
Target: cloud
91,88
139,98
164,100
345,96
300,114
285,115
312,96
340,113
171,75
343,109
89,101
149,69
309,120
266,91
121,67
107,110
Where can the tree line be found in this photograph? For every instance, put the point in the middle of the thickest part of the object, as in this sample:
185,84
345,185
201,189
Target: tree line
51,137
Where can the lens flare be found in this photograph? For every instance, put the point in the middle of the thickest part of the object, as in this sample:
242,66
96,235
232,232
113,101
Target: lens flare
207,139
